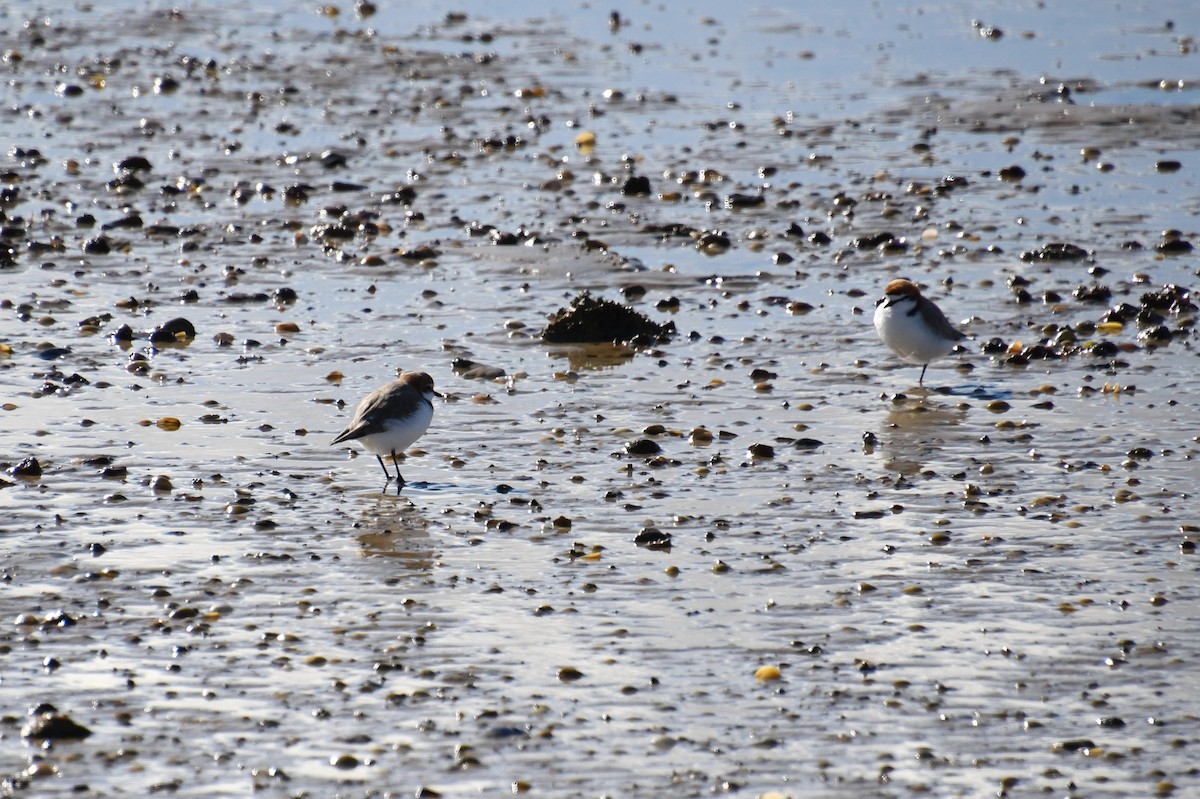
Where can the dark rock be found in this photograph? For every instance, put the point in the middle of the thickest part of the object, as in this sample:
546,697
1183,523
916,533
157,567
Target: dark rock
1055,251
1148,317
122,333
133,163
1159,334
131,221
423,252
636,186
713,240
643,446
872,241
171,330
54,353
100,245
473,370
734,201
54,726
1174,246
27,468
950,183
58,618
1172,298
331,159
401,196
125,184
653,538
1040,352
1095,293
244,298
761,451
1118,313
671,230
296,193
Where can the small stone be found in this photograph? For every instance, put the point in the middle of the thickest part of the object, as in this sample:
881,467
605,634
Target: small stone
767,673
643,446
173,330
54,726
29,467
761,451
636,186
653,538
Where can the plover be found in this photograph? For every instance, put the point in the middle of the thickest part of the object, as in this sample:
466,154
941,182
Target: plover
392,417
913,326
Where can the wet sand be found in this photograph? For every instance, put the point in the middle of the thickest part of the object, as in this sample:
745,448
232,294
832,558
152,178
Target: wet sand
983,587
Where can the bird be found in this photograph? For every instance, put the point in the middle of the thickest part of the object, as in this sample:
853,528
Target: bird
913,326
392,417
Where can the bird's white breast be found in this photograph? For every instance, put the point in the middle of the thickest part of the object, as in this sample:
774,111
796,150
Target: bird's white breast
399,434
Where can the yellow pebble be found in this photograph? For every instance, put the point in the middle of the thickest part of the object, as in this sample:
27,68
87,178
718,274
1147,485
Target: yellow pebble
767,673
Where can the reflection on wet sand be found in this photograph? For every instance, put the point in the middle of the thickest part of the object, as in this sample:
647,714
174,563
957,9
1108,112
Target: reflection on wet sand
916,428
398,530
594,356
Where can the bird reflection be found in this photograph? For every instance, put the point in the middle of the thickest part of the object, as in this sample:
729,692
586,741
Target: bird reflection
397,530
916,429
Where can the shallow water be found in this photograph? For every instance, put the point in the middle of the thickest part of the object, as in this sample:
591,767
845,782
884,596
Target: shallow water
997,596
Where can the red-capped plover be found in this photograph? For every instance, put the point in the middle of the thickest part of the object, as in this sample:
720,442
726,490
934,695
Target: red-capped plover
913,326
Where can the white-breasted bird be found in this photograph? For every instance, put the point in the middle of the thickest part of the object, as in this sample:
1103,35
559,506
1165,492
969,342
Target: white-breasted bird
392,417
913,326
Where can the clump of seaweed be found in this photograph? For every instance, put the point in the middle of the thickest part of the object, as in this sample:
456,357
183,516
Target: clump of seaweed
596,320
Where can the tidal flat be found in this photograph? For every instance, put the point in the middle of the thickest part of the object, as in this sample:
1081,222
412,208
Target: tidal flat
753,558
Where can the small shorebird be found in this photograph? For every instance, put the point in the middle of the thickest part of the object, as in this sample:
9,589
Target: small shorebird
392,417
913,326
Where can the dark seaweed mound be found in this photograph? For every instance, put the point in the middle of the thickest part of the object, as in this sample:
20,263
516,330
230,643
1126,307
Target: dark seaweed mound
596,320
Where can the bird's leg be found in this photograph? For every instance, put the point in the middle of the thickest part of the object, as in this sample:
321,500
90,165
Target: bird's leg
921,381
399,477
383,466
